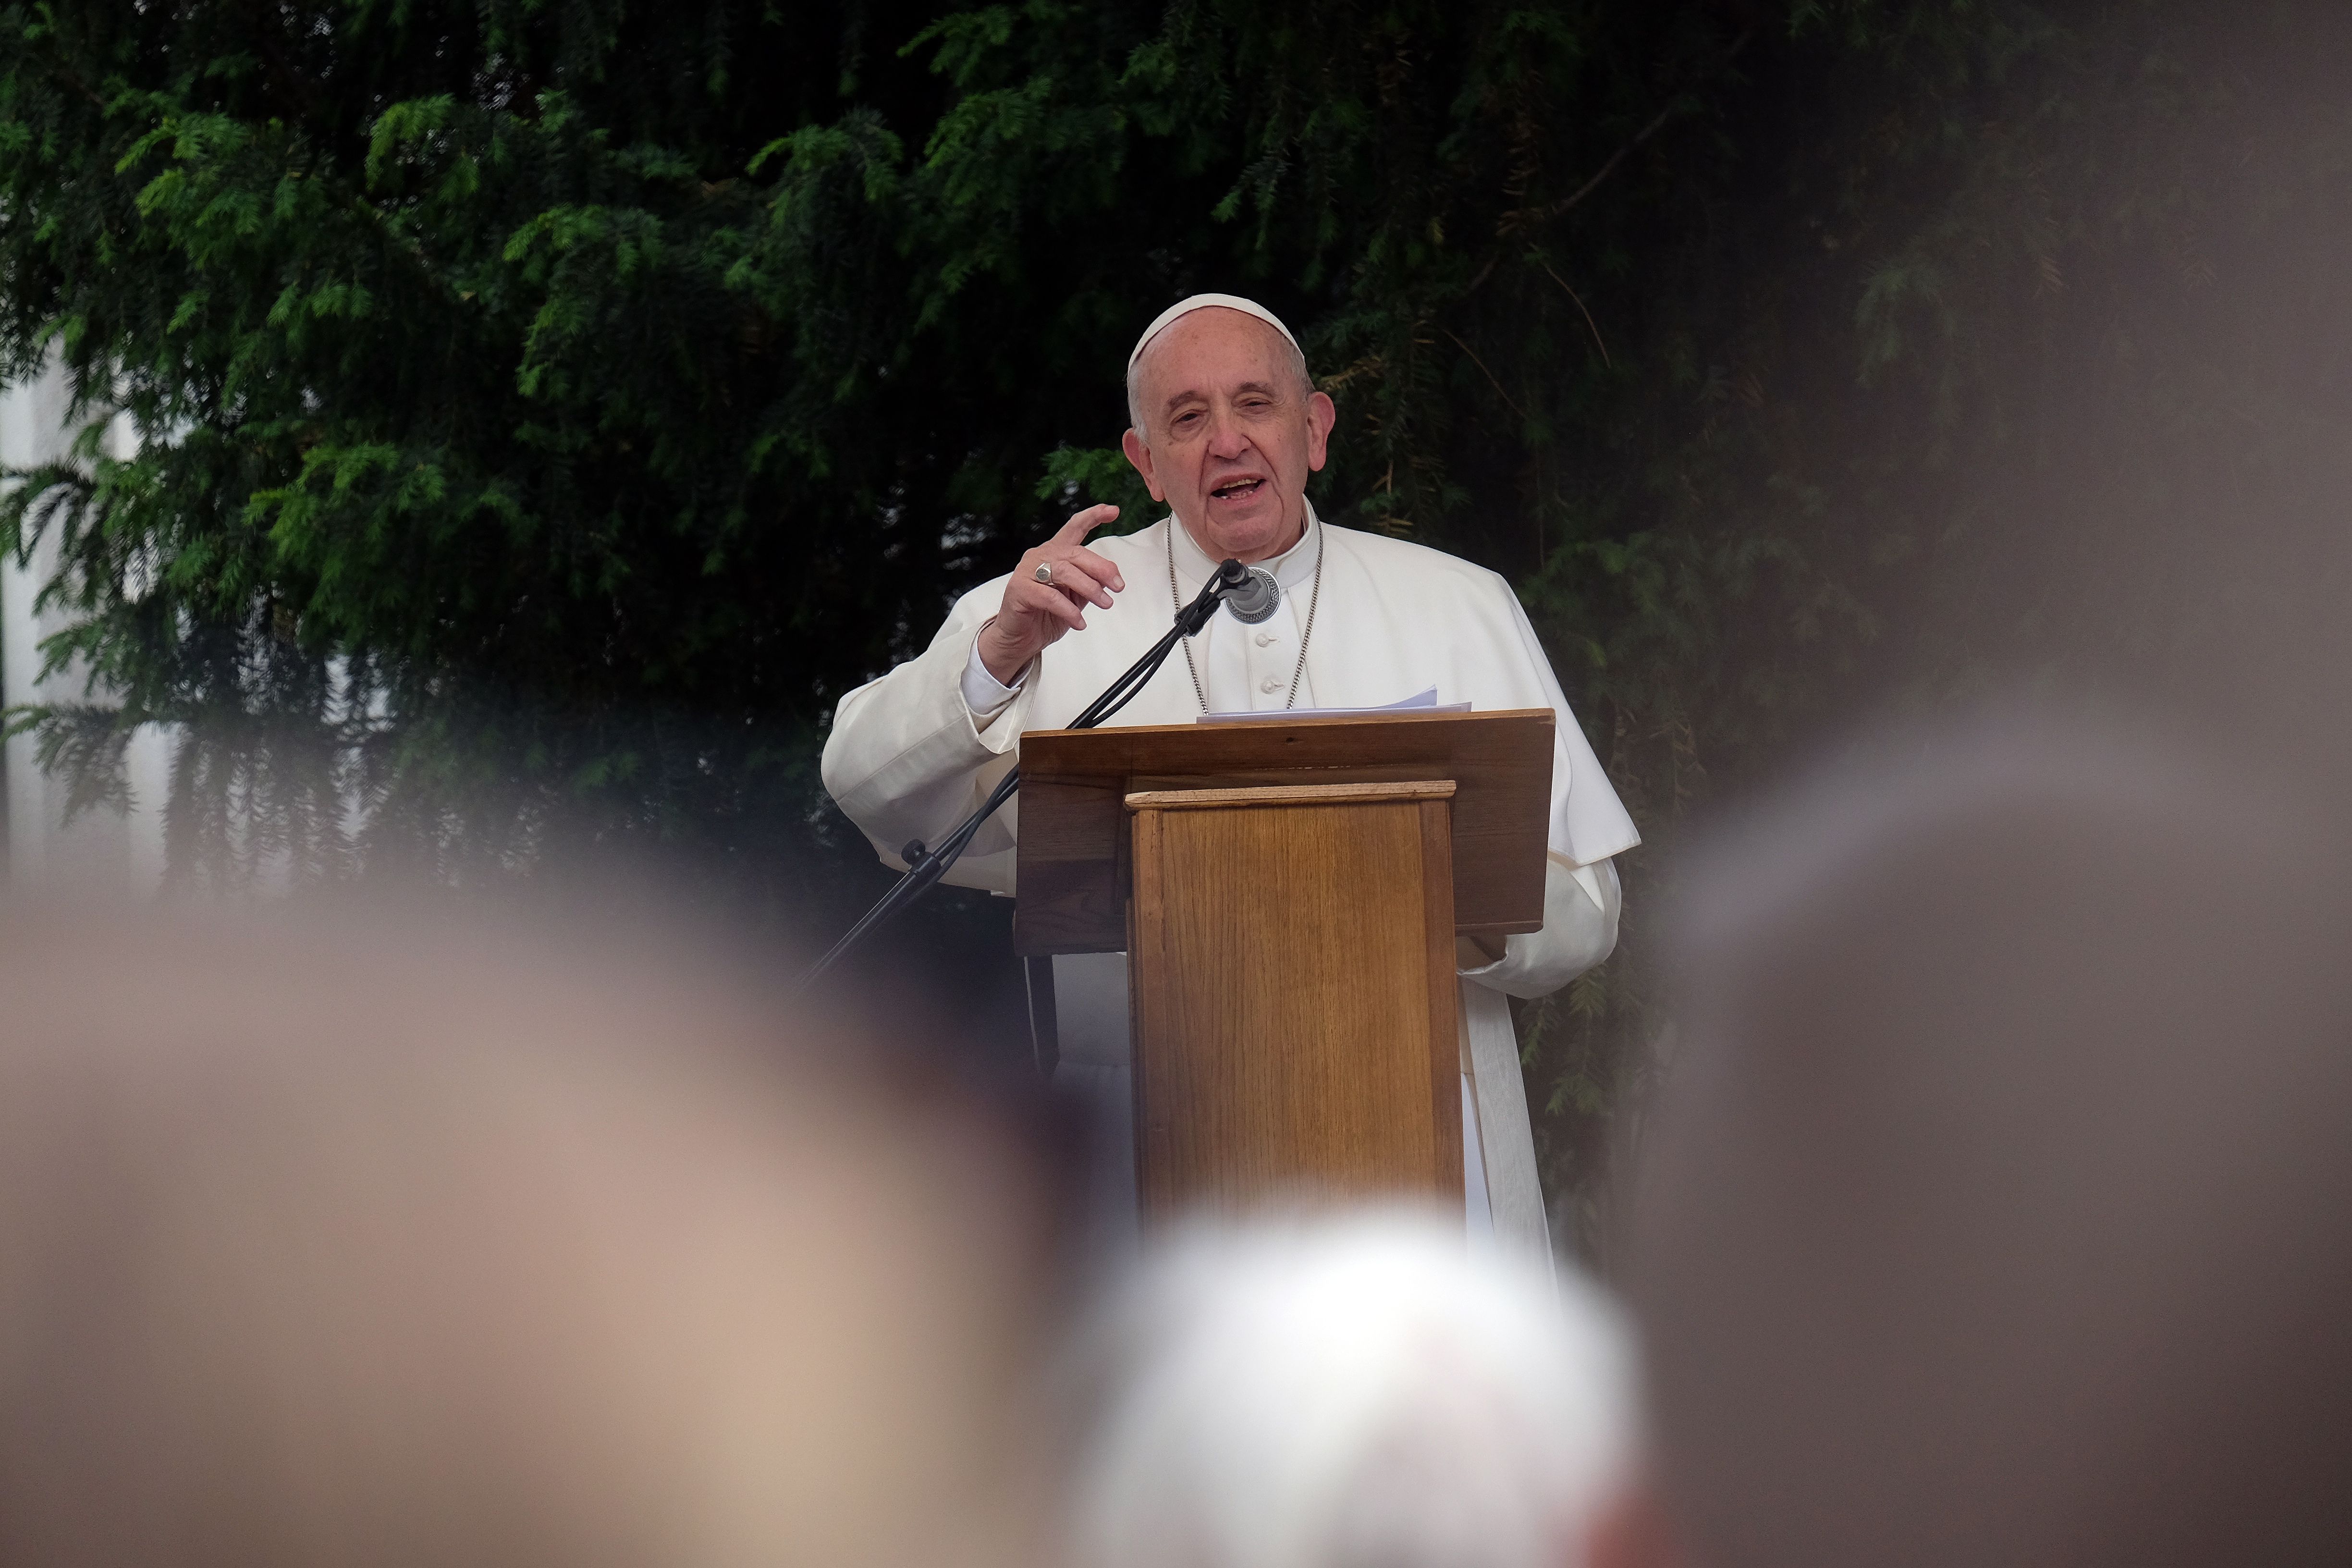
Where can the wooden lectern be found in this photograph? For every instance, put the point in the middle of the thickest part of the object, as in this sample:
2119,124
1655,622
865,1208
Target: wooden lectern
1288,892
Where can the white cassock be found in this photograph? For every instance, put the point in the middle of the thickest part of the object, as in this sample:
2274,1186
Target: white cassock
914,753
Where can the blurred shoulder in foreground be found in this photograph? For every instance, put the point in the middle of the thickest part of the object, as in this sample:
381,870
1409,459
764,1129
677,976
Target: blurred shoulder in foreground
1998,1209
355,1242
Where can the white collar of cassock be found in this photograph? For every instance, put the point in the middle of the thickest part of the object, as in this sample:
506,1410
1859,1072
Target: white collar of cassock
1294,568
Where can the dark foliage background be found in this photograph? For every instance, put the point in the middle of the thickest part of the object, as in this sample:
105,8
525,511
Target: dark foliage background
549,409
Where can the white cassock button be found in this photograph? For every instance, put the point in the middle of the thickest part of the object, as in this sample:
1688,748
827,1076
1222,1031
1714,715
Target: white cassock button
1265,640
1268,685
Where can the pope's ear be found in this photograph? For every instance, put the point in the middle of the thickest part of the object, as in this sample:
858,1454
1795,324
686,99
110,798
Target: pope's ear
1322,414
1140,456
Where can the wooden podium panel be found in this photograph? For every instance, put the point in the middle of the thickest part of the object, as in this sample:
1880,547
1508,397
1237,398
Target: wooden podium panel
1074,876
1291,952
1288,892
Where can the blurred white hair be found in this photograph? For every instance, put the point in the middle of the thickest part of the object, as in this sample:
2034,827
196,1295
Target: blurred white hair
1364,1392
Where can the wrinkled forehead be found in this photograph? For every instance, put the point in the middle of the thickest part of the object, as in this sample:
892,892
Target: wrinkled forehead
1211,350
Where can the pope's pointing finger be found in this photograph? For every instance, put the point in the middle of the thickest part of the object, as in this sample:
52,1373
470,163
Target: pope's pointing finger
1084,522
1038,610
1074,533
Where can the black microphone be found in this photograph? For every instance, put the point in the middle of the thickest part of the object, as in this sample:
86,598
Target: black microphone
1229,577
1255,597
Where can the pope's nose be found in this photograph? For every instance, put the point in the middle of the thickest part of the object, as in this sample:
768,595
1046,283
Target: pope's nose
1228,440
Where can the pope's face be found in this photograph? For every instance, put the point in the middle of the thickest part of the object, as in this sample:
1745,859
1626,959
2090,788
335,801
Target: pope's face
1229,435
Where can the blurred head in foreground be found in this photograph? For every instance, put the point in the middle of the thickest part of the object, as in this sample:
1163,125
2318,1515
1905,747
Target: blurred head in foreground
1352,1391
1998,1209
383,1249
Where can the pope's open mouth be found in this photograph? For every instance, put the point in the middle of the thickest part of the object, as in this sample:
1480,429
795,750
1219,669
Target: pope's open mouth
1238,490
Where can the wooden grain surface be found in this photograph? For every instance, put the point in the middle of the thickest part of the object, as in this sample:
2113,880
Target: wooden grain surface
1073,869
1293,996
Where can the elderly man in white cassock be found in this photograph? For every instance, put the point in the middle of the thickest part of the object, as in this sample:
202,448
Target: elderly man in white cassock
1226,428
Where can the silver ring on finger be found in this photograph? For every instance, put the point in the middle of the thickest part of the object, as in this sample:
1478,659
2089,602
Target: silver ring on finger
1045,571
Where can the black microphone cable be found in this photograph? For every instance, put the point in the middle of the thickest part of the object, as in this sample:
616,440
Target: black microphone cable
925,866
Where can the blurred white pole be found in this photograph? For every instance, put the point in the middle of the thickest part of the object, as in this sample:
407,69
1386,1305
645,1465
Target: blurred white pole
112,851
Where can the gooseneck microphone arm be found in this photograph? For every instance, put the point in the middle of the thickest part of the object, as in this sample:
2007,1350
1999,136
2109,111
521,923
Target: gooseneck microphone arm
925,866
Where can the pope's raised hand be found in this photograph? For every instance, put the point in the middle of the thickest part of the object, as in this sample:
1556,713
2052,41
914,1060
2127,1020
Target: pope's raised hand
1037,611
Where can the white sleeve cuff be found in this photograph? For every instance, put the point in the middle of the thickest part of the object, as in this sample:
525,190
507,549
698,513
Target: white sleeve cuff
983,693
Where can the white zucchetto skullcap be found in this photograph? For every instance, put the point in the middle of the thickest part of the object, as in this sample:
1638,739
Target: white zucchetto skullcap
1202,303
